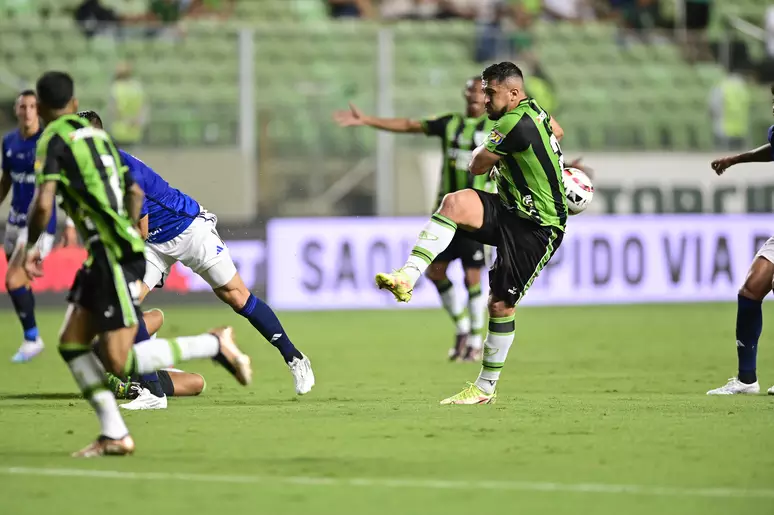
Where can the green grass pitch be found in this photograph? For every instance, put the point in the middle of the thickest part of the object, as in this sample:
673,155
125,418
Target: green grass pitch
601,410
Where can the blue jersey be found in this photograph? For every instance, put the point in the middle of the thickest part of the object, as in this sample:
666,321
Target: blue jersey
18,155
169,210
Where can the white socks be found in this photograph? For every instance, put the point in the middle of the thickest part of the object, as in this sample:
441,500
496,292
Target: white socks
498,343
433,239
453,306
90,376
152,355
477,311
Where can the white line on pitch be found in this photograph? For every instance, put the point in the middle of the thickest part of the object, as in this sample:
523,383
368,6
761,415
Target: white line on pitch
433,484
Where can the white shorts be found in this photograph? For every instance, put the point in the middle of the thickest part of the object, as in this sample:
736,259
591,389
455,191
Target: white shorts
199,247
17,236
767,250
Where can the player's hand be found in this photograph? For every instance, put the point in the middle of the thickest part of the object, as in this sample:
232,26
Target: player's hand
33,264
69,237
722,164
352,118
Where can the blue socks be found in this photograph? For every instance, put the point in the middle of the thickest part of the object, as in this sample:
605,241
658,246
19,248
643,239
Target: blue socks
24,303
263,318
149,381
749,324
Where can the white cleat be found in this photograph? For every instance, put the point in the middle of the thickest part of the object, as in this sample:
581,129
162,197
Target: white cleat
28,350
146,400
303,377
770,391
734,387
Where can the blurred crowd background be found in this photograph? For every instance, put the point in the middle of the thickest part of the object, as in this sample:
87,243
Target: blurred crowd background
172,78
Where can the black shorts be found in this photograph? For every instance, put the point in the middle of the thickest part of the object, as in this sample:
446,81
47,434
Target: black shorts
109,290
470,252
523,248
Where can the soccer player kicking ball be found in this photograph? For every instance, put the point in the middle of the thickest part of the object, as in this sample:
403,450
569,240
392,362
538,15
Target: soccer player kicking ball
525,220
758,284
178,229
80,164
460,133
18,157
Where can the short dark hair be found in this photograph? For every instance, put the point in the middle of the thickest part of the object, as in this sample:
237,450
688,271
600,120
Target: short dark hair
93,118
27,93
55,89
501,72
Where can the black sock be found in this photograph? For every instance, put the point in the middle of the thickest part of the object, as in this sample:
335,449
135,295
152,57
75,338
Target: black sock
749,324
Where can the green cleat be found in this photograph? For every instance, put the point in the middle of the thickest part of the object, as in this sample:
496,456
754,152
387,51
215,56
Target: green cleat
472,394
119,388
398,283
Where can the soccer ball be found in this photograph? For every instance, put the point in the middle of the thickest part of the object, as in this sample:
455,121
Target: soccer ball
578,190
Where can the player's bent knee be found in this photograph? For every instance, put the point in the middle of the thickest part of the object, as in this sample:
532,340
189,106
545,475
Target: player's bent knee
499,308
197,384
754,291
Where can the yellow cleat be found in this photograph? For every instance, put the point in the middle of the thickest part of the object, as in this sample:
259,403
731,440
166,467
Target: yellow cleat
472,394
398,283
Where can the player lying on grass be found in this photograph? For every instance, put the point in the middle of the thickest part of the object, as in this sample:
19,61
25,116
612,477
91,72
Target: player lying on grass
79,165
525,220
178,229
18,179
460,133
171,382
758,284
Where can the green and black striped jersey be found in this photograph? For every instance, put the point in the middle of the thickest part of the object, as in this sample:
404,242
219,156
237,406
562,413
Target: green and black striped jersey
529,174
92,182
459,135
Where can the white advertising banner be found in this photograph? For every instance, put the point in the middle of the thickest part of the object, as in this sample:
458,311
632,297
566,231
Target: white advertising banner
330,263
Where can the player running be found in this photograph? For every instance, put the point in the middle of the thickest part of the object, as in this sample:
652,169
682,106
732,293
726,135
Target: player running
460,133
80,165
525,220
18,178
758,284
178,229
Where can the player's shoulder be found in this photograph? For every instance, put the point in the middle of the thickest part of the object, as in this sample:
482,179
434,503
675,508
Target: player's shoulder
443,116
10,136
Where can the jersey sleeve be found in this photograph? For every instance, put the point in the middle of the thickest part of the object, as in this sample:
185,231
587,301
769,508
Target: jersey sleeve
48,159
506,137
436,125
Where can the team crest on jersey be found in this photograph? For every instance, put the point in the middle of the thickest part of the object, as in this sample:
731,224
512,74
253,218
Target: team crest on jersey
38,165
496,137
541,117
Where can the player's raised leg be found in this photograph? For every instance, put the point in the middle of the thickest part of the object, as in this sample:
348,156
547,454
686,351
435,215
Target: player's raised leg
19,289
453,305
749,323
461,209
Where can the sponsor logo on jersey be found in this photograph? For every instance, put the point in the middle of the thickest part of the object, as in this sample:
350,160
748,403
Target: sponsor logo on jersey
541,117
38,165
496,137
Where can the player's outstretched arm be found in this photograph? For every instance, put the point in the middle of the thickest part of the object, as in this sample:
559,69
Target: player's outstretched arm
761,154
354,117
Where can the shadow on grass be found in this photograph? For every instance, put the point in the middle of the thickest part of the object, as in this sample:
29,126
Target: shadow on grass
47,396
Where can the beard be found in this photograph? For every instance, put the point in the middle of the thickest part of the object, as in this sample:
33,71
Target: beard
496,115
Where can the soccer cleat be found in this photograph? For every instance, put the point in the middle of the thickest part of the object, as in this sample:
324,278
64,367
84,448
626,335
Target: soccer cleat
770,391
472,394
118,387
104,446
734,386
397,283
28,350
303,377
232,359
458,351
145,400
